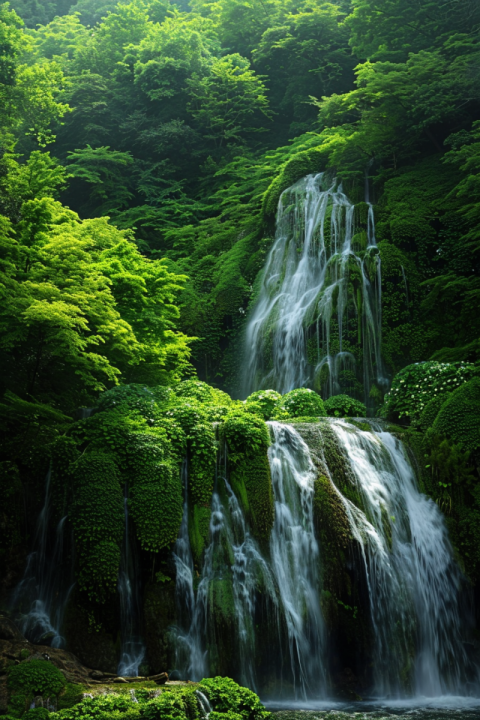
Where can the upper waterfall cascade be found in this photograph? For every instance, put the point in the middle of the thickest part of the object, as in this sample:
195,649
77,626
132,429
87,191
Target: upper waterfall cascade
317,318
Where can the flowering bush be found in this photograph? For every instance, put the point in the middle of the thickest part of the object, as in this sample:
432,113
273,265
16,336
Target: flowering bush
414,386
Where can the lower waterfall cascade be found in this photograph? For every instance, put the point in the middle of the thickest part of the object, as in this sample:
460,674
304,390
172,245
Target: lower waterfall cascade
401,549
260,611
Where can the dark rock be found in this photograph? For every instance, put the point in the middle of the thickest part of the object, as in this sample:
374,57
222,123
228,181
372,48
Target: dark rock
97,675
159,614
8,630
94,649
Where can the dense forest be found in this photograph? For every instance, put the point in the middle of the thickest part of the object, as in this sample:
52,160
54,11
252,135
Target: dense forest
148,154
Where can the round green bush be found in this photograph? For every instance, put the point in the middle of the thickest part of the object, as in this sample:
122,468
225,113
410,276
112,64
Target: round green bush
301,402
226,696
202,392
264,401
344,406
459,416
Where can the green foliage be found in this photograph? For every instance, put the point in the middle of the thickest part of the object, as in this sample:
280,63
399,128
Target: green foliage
247,440
38,713
98,519
414,386
344,406
156,505
246,435
430,412
226,696
300,402
448,462
459,419
35,677
263,402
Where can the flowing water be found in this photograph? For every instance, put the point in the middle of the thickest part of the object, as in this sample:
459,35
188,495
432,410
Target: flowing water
295,557
413,580
40,598
414,586
317,318
132,651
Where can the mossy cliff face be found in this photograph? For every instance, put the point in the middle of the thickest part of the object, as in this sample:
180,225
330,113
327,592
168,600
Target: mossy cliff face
158,451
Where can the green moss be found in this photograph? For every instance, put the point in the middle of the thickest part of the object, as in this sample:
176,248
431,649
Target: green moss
70,696
459,418
30,678
156,505
252,484
98,518
198,529
313,160
247,440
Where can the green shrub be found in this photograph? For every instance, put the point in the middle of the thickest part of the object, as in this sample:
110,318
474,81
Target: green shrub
35,677
226,696
344,406
301,402
202,392
102,707
140,398
265,400
38,713
459,416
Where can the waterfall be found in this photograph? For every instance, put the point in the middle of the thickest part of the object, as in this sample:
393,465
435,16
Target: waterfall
399,546
295,557
412,577
238,570
317,318
42,594
132,650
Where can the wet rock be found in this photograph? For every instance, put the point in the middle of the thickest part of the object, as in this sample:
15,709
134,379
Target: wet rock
120,680
47,638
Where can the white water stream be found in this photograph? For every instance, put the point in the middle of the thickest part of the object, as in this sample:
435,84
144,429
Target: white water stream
319,275
413,579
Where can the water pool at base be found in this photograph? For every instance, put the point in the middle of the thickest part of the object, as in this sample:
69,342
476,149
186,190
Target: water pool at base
442,708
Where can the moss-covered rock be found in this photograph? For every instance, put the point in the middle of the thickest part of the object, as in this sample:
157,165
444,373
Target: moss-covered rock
459,417
247,441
